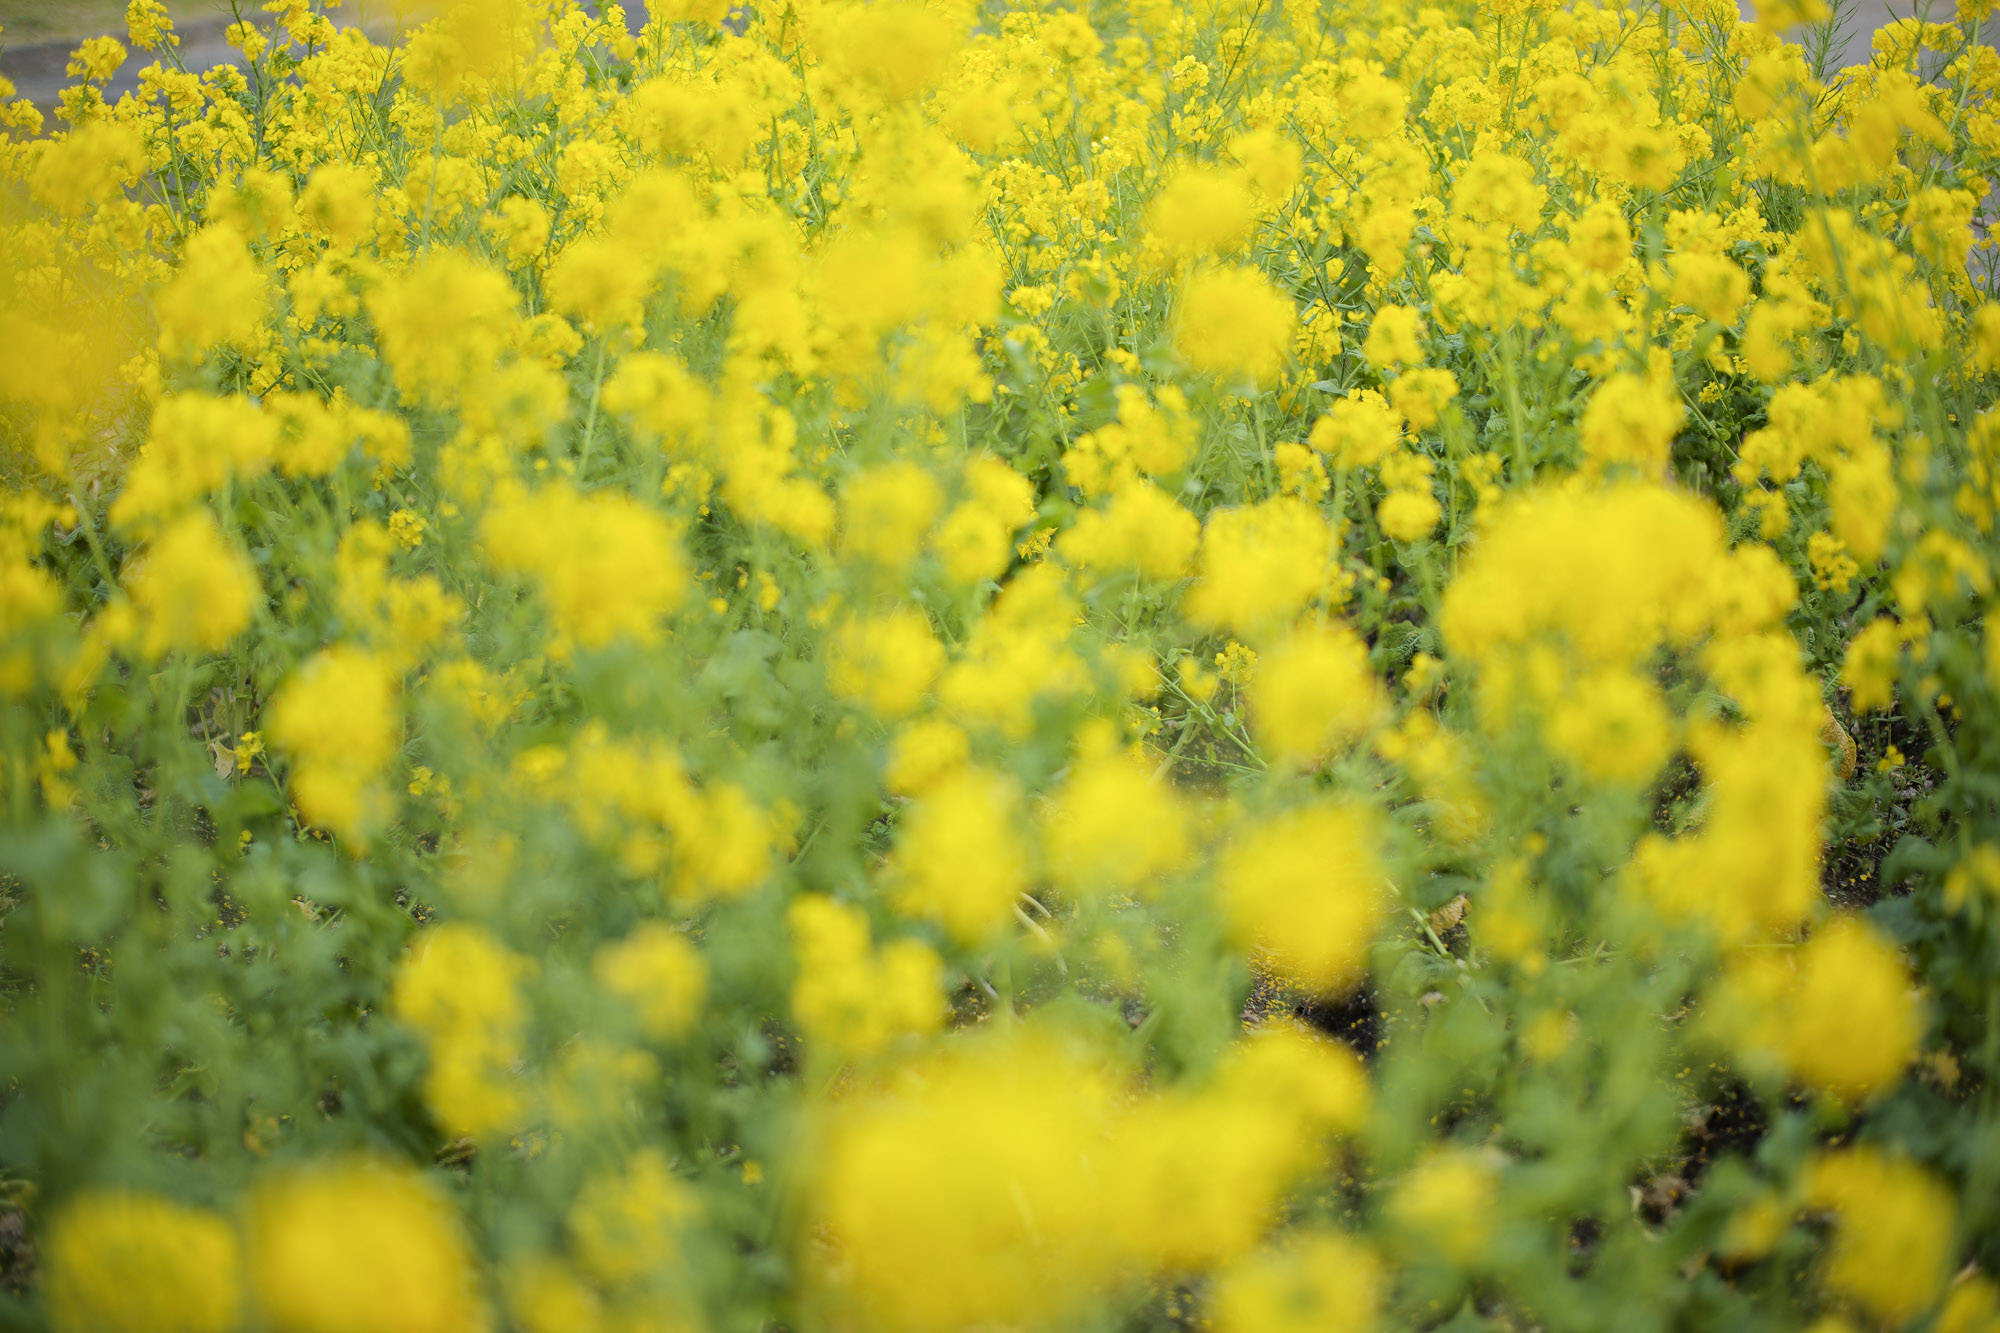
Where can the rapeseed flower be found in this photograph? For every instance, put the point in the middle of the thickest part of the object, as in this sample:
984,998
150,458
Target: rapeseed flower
311,1231
855,609
1306,888
117,1261
1233,324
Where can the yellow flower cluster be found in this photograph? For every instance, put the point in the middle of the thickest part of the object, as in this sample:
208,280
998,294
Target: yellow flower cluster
459,990
917,666
119,1260
1028,1185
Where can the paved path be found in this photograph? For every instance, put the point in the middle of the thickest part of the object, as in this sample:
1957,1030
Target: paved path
1868,15
37,71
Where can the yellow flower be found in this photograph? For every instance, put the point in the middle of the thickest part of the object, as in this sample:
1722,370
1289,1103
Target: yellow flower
885,511
1892,1244
975,541
193,592
96,59
1359,430
1113,828
459,988
893,51
1394,339
407,527
664,400
852,996
314,1231
1420,396
1777,15
217,295
1854,1021
337,717
194,444
546,1295
150,26
1600,238
1313,691
1711,284
1271,161
340,199
1307,888
1300,471
442,325
963,1194
959,860
1259,564
1142,529
1447,1203
600,283
607,566
922,752
121,1262
1611,574
1842,1017
886,662
627,1222
1874,656
1614,725
1309,1282
1151,436
1233,324
1973,1306
659,973
1499,190
1409,516
1201,210
1631,420
727,842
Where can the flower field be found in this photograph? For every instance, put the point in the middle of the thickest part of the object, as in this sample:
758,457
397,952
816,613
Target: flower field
913,665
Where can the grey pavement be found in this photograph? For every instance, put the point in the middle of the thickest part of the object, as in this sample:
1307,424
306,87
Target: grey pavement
1864,17
37,70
